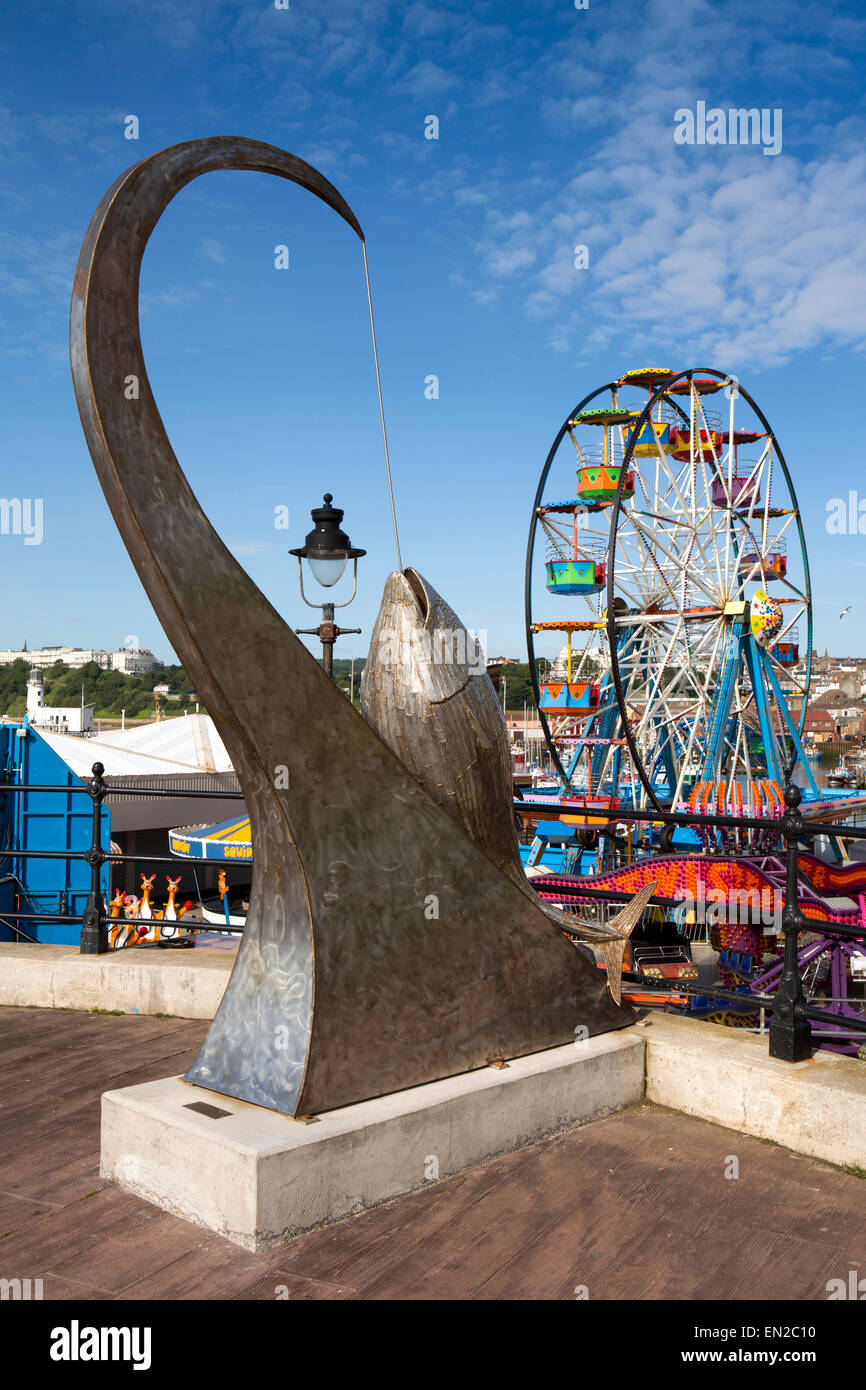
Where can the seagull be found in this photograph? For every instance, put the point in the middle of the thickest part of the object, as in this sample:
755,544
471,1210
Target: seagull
846,610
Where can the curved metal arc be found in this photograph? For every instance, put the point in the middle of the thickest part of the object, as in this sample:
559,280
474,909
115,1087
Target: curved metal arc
108,270
108,275
129,442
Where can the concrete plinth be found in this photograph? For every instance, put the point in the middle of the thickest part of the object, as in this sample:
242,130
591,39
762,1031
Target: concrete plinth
185,983
722,1074
260,1178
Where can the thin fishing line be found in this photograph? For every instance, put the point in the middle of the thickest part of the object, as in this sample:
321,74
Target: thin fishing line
381,407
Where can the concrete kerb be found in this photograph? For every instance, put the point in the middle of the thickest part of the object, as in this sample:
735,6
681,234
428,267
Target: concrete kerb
180,983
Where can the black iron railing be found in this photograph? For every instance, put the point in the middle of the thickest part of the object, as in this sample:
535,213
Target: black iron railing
95,918
790,1029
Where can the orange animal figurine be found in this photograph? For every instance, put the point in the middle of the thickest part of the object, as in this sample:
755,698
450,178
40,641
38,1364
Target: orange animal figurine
146,910
224,894
117,903
125,933
146,885
170,914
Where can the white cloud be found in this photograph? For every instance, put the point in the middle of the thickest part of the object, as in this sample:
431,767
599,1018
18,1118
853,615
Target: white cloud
171,298
505,261
716,251
427,80
214,250
252,548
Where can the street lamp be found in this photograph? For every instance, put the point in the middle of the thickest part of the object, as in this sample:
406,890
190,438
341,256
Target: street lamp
327,549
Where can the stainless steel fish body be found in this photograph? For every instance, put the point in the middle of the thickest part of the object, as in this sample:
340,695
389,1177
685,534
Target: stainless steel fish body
426,692
382,949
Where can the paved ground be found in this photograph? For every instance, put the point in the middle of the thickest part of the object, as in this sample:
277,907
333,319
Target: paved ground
634,1206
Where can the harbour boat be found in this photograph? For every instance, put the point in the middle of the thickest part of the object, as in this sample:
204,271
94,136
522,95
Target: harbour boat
841,776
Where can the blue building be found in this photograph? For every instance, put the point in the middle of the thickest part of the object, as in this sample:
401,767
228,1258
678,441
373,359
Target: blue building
36,820
145,763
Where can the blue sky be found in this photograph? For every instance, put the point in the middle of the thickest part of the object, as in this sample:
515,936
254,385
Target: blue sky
555,128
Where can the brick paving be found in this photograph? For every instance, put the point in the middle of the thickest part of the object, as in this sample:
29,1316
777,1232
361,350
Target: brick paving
633,1206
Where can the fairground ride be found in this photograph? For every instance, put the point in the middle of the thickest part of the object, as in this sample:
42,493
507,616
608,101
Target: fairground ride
672,531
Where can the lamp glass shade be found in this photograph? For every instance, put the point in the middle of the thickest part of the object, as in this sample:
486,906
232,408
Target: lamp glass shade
327,571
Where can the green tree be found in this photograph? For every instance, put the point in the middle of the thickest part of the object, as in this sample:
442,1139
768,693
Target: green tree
109,692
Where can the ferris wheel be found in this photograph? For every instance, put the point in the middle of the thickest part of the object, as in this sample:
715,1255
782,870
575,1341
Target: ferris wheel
675,552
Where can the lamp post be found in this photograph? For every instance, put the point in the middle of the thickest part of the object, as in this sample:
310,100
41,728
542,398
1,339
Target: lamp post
327,549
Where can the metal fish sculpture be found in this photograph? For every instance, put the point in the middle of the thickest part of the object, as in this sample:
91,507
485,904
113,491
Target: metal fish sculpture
426,692
382,948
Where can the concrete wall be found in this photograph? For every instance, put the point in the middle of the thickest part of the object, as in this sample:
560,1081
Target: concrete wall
816,1107
183,983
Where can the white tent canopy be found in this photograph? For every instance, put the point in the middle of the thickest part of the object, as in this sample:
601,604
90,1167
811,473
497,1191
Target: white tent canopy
185,744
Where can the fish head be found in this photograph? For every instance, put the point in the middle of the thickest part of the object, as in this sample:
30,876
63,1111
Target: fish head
426,692
419,645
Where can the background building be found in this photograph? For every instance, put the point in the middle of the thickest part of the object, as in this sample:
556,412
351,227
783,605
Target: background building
63,719
132,662
128,660
46,656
